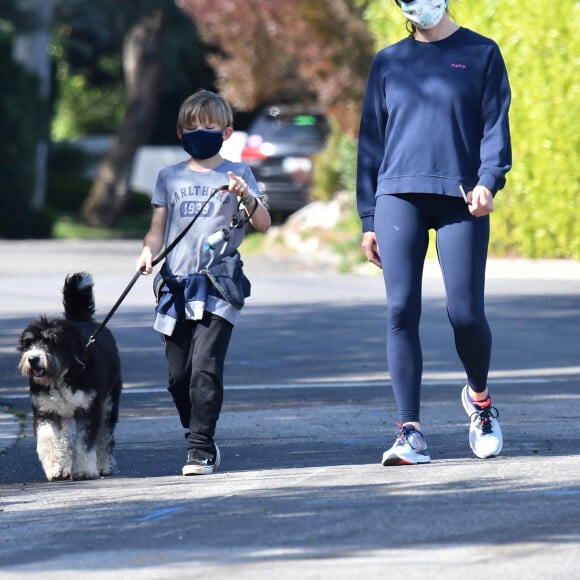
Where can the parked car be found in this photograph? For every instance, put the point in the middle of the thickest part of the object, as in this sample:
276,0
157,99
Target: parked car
279,148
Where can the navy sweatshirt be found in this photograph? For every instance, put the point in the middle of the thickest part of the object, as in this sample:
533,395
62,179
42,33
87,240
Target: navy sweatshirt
434,116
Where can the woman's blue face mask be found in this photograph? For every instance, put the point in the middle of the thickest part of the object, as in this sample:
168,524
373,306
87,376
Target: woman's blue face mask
202,143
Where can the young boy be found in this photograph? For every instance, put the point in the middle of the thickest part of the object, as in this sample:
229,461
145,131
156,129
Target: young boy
196,320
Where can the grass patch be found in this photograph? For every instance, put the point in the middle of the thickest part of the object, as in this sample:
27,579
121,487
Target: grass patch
68,227
254,243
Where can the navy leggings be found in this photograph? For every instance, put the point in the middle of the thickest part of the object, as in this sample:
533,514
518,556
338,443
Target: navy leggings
401,226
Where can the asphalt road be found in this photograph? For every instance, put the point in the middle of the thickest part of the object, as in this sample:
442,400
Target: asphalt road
308,411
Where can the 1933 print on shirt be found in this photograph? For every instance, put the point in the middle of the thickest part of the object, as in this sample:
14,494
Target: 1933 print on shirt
183,192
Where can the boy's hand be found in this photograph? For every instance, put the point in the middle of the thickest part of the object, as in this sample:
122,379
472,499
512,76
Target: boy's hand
238,186
144,262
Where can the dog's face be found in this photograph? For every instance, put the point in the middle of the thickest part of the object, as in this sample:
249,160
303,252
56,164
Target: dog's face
49,349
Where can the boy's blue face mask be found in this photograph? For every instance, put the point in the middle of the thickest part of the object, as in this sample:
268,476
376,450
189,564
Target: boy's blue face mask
202,143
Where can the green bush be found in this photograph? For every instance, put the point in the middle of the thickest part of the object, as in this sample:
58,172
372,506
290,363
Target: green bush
67,186
535,213
22,124
335,171
31,224
67,157
66,192
327,170
334,166
85,110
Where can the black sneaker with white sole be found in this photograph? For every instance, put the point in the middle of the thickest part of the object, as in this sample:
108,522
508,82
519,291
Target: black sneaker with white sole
200,462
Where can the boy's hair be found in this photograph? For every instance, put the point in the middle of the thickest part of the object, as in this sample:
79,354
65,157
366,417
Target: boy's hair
204,107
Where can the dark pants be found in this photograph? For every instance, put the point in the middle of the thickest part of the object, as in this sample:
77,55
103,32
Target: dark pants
196,353
401,225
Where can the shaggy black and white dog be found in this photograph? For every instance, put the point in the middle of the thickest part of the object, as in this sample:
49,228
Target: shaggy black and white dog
74,387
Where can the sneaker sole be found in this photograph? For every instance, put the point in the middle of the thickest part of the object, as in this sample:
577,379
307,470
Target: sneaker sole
200,469
396,460
480,455
196,470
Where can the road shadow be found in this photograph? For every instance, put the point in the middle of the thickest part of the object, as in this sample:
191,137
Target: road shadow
289,343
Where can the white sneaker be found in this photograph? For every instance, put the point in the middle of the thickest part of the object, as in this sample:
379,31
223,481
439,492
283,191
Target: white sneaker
485,438
409,448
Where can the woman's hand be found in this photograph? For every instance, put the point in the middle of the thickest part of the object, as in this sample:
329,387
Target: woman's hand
480,201
371,249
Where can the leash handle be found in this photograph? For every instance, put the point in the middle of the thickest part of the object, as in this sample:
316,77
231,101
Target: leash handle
156,261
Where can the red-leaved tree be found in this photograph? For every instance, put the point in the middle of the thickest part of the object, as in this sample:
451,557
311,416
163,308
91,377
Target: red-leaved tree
302,51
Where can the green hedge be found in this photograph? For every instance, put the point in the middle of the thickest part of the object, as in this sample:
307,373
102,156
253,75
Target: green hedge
536,212
22,123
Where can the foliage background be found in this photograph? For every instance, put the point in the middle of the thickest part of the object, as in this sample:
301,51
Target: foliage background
23,121
324,48
87,44
535,214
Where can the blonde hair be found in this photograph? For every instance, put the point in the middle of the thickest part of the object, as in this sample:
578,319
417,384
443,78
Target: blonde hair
206,108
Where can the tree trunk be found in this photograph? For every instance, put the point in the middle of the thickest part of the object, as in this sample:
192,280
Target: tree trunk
142,65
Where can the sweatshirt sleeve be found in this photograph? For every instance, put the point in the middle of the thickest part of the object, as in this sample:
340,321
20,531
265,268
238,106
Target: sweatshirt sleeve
371,145
495,152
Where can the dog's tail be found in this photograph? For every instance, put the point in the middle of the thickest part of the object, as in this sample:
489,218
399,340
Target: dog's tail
77,296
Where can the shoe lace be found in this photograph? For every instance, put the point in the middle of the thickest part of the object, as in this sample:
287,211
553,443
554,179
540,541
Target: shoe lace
403,434
484,417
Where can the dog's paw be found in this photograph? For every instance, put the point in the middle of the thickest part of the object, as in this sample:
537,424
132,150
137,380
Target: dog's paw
107,467
57,474
84,475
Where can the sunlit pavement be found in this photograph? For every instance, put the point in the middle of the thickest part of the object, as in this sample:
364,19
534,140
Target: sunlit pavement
308,412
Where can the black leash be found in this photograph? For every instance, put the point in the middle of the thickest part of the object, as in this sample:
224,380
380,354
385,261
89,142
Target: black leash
156,261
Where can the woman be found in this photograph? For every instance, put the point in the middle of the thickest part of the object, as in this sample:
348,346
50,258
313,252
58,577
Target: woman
434,149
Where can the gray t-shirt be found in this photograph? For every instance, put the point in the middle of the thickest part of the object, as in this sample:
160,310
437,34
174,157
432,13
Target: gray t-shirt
183,192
